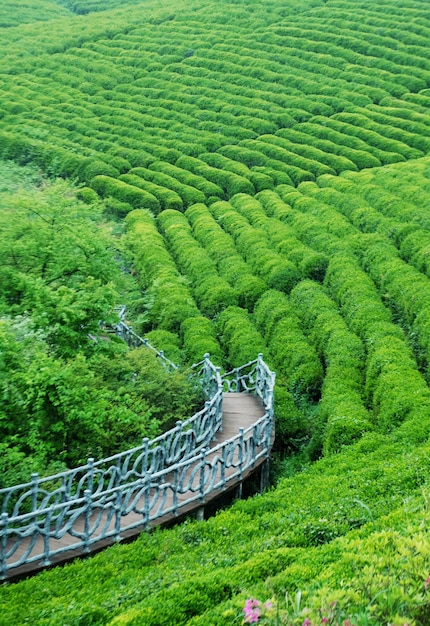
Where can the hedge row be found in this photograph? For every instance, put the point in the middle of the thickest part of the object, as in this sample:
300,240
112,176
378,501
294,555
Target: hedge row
387,150
412,241
405,290
259,180
188,194
120,190
283,152
55,161
394,139
199,337
293,356
230,182
167,198
412,209
352,147
221,248
168,300
212,292
239,338
329,219
253,244
307,228
410,186
394,387
342,414
210,189
311,264
30,12
298,169
298,142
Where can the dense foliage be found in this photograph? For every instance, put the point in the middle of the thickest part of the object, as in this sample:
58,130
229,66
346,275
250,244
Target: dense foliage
266,169
69,389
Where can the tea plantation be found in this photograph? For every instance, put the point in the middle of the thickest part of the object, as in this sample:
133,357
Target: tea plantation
247,177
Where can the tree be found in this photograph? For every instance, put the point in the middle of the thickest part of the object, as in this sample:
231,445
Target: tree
57,264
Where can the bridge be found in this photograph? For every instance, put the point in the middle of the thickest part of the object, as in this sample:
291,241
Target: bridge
54,519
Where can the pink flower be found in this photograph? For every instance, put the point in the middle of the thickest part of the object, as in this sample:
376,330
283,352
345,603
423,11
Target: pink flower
307,622
427,583
324,620
251,611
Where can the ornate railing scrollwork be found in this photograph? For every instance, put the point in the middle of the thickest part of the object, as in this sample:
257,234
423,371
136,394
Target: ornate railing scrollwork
132,489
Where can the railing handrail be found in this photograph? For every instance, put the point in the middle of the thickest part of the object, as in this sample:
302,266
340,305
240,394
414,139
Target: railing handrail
210,378
129,475
155,477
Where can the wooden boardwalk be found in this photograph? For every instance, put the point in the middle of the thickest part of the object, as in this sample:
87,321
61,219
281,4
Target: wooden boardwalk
240,410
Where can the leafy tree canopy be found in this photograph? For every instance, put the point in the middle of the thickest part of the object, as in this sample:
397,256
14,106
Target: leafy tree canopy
68,388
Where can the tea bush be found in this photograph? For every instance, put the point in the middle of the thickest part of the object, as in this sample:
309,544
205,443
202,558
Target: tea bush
212,292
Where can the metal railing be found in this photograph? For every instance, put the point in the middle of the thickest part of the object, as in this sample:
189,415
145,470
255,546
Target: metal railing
133,340
129,490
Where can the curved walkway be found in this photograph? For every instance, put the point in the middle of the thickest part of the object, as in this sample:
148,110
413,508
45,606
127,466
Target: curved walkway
241,411
53,519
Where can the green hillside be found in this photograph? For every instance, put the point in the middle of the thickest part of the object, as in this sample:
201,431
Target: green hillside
262,170
16,12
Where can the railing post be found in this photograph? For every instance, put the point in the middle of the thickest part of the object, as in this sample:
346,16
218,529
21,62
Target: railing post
46,538
4,521
90,474
145,445
218,415
175,487
147,495
264,475
118,515
253,444
34,486
238,385
88,511
259,379
179,440
202,474
206,373
223,466
241,440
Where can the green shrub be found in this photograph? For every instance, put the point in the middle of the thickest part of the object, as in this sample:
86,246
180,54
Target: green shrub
292,354
354,149
393,386
167,198
229,181
199,337
311,264
239,337
117,208
220,246
167,342
168,301
188,178
87,195
107,186
212,292
282,151
253,243
189,194
343,354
